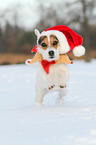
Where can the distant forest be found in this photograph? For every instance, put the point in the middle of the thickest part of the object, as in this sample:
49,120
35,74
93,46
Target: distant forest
82,19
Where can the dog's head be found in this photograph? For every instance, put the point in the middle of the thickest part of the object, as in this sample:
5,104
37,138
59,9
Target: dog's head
59,40
48,46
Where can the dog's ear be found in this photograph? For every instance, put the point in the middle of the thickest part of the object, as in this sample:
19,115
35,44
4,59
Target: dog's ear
37,33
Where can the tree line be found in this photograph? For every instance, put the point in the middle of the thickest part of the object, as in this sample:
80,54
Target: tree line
78,14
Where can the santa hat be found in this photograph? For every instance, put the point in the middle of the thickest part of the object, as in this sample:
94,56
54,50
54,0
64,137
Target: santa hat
69,40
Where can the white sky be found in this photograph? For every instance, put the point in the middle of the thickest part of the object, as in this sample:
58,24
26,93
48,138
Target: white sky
28,12
4,3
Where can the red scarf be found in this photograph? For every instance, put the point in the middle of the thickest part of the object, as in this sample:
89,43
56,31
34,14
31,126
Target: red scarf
46,64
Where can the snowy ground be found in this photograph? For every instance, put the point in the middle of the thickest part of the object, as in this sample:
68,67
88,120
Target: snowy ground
21,123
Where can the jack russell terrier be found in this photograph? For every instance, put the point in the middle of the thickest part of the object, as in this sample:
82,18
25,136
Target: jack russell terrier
51,49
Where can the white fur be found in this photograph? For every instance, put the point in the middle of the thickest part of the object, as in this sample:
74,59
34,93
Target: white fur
79,51
64,46
46,55
37,33
58,75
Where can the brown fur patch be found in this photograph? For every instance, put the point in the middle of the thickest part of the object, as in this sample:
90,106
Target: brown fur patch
54,41
43,42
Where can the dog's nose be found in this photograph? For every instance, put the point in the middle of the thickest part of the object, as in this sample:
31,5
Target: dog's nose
51,53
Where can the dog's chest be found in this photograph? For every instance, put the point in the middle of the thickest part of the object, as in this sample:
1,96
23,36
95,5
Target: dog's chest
56,73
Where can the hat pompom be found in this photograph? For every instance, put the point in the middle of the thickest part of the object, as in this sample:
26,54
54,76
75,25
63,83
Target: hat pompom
79,51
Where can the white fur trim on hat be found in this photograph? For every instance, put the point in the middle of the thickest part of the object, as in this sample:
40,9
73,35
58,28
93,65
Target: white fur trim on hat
64,46
79,51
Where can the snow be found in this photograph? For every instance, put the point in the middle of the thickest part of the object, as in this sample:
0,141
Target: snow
21,123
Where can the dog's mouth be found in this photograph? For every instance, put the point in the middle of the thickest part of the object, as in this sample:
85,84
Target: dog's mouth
51,57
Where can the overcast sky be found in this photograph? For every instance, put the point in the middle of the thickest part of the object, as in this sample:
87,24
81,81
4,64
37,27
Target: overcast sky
28,11
4,3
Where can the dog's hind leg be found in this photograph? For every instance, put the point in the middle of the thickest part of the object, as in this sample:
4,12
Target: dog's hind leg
62,93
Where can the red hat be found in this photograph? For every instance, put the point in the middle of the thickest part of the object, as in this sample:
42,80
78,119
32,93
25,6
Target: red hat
69,40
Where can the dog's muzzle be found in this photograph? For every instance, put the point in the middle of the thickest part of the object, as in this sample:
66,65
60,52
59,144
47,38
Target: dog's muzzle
51,54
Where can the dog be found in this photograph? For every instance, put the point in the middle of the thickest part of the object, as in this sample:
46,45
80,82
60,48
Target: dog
51,49
56,80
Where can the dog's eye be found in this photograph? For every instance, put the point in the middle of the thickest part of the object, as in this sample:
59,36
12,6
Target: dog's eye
55,42
43,45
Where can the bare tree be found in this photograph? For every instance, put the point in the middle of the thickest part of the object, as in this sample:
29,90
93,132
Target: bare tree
87,9
81,13
50,16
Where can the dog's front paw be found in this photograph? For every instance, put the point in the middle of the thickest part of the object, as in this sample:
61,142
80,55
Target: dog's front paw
38,104
51,87
62,86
